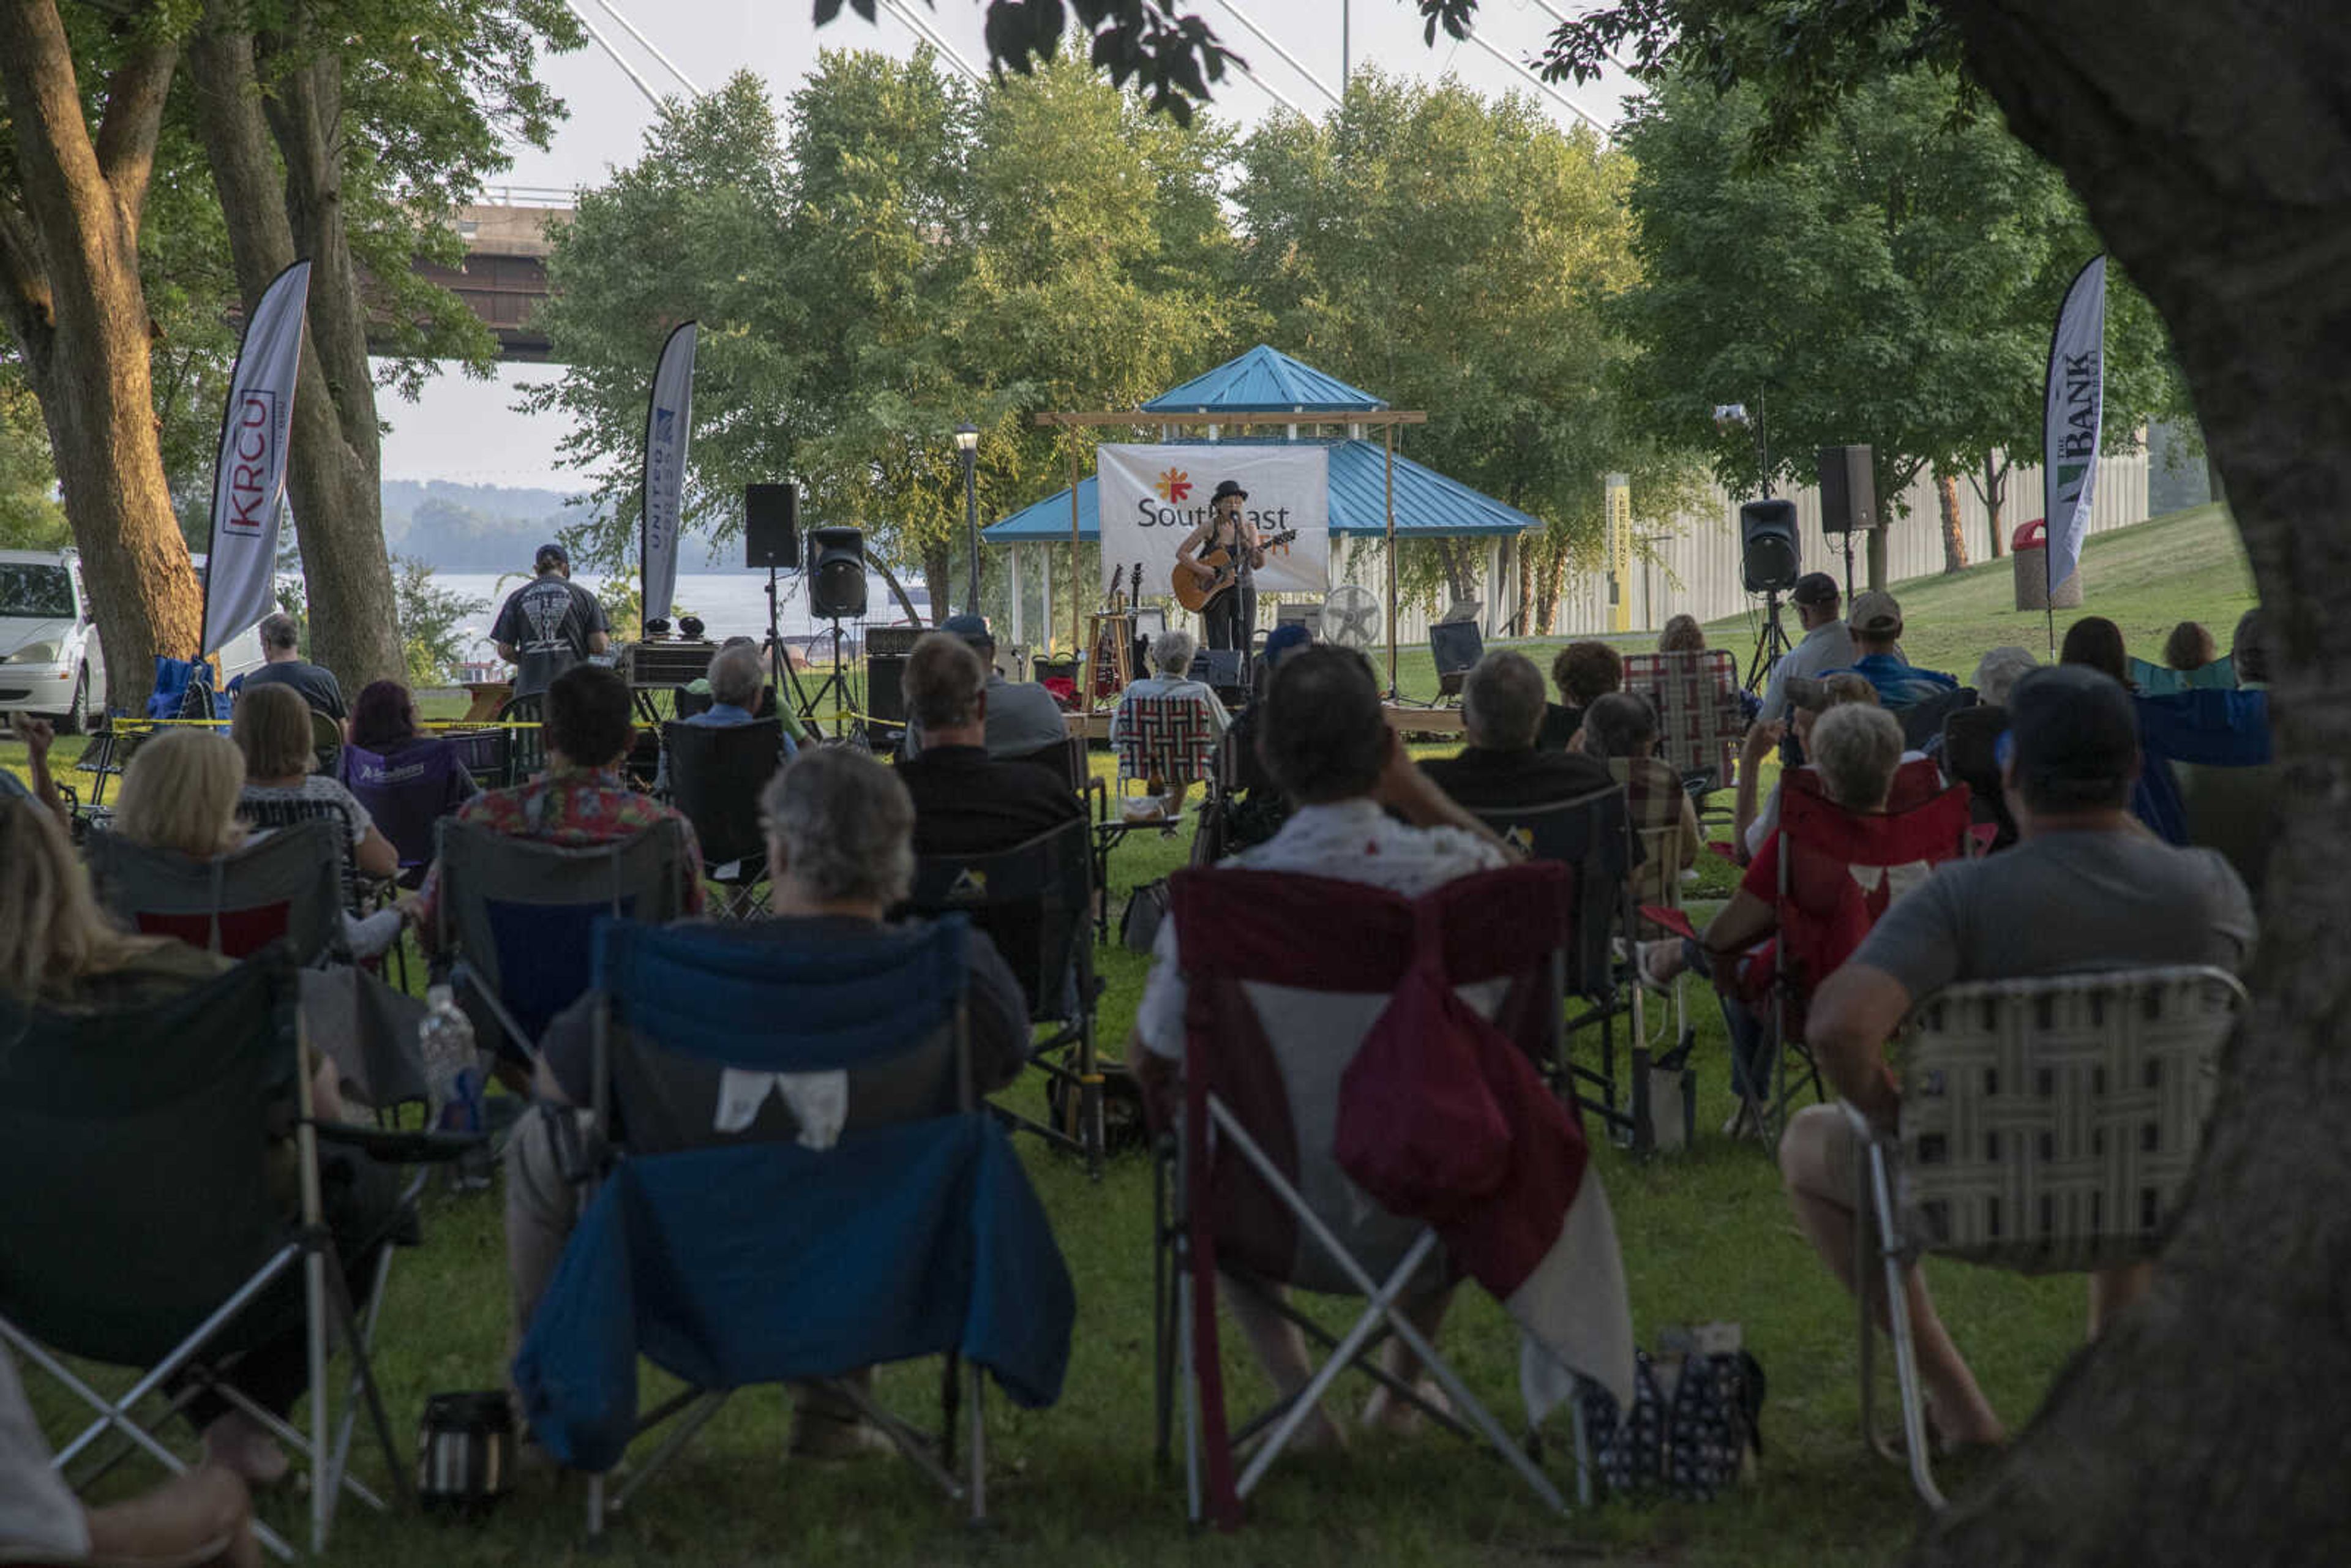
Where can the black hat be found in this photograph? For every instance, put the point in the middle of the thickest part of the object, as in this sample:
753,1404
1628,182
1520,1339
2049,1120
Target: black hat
551,555
972,629
1228,488
2072,726
1814,590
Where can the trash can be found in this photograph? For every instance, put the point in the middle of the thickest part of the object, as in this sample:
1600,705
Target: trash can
2029,548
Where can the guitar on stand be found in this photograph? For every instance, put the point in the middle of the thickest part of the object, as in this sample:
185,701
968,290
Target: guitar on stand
1194,595
1110,638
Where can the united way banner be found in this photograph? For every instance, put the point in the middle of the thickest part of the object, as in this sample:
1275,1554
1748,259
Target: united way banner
2070,419
249,476
669,420
1152,498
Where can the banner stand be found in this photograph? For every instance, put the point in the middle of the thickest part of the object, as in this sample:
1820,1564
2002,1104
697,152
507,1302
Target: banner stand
2071,421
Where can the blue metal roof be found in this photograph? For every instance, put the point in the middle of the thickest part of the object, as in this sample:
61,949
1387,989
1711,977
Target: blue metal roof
1427,503
1264,380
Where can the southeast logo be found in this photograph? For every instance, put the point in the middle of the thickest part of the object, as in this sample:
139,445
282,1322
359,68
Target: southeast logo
1173,484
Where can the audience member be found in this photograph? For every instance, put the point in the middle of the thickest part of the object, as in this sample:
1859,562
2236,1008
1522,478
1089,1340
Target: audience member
1584,673
1500,769
1682,634
58,951
1826,645
1328,744
1807,700
1256,807
967,801
1023,720
181,793
582,799
384,721
2248,649
1856,749
2190,647
1997,673
202,1516
283,665
272,728
840,849
1171,662
38,735
738,676
2096,644
1622,728
1876,627
2085,889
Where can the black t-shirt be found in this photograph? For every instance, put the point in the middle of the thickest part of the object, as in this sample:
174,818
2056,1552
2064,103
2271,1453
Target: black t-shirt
965,804
1559,727
1482,780
548,622
316,686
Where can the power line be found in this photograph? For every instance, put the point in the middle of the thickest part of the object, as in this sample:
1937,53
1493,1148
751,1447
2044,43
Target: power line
1267,39
651,49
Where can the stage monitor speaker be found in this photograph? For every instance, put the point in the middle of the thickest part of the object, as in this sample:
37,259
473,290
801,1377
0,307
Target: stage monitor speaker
885,697
1221,669
1767,545
772,525
1456,646
1848,489
836,573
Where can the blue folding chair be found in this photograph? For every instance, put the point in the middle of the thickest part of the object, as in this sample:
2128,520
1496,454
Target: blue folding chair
804,1185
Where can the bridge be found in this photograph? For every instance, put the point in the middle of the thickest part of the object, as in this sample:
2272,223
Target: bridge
503,275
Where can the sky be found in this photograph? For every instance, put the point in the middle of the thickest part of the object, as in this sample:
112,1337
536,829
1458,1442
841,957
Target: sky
465,430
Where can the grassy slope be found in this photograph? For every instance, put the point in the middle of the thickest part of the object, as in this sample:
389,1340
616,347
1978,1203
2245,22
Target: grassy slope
1707,1235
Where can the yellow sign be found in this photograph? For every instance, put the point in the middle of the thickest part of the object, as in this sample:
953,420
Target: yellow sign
1620,552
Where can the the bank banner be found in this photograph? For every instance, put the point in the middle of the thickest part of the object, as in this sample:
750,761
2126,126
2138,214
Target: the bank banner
1152,498
249,476
2069,429
669,420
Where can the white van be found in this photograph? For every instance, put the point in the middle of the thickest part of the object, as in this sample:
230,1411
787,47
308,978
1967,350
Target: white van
50,660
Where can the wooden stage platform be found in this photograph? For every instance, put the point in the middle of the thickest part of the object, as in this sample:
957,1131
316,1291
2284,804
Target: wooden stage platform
1406,718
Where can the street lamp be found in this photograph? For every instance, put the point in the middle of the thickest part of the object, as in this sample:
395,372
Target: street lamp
968,443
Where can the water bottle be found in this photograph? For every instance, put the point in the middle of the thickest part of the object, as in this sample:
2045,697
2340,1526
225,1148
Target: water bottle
445,1043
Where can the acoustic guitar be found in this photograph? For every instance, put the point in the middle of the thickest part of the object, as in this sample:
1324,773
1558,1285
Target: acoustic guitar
1194,595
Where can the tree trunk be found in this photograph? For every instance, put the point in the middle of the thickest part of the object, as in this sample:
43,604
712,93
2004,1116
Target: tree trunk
1995,496
1529,547
939,576
2206,145
274,160
897,590
1460,571
76,309
1955,543
1548,576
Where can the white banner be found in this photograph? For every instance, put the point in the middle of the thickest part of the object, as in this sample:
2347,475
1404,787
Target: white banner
2070,419
669,420
1152,498
249,476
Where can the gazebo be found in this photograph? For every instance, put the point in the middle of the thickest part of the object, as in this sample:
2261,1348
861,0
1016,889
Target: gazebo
1259,385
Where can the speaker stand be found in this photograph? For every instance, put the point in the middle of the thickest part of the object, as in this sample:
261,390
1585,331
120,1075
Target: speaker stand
781,673
847,721
1848,571
1769,643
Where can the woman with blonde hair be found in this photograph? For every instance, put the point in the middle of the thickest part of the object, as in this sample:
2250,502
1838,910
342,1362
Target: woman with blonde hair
180,793
57,947
271,727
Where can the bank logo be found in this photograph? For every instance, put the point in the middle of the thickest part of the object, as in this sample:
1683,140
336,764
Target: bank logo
1172,484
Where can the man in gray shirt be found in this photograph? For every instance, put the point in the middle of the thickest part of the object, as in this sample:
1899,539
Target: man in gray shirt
2086,888
1023,720
1827,645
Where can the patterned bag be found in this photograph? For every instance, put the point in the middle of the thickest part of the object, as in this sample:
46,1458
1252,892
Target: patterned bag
1694,1430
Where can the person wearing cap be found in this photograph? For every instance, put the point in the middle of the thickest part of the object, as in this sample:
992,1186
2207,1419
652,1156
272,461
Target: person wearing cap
548,624
1826,645
1875,624
1023,720
1227,619
2084,888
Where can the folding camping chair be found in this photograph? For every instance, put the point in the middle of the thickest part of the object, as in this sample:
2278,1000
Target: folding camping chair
1167,739
1838,871
276,812
408,794
1591,835
2048,1126
286,886
1286,977
1033,902
522,720
1922,722
775,1100
515,916
1701,713
183,1275
1970,742
486,754
716,776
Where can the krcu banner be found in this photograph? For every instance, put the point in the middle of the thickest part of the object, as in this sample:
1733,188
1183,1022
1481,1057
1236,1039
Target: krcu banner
1152,498
669,420
2071,416
249,476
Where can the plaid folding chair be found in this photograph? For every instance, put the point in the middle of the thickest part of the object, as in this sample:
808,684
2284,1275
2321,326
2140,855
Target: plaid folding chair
1033,902
1654,798
181,1276
2048,1126
716,776
1701,713
1838,871
805,1187
1166,739
408,794
286,886
1285,978
515,916
1591,834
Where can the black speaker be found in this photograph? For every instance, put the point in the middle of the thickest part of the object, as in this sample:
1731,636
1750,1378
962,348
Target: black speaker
836,573
1221,669
1848,489
772,525
1767,545
884,677
1456,646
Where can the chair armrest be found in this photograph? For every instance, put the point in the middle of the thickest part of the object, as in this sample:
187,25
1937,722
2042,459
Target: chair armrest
397,1147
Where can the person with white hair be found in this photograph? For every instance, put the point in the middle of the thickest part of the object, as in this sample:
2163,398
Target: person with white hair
1997,673
839,831
1171,662
738,677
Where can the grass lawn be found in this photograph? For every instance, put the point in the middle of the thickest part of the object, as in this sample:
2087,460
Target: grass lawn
1707,1236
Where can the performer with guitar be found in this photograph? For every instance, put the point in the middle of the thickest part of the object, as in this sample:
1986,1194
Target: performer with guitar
1229,553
